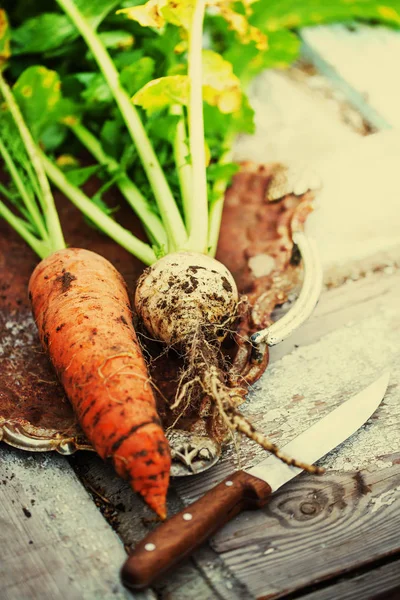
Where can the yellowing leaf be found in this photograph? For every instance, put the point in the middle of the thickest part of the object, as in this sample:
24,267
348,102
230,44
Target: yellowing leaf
163,92
221,87
5,51
239,23
69,120
227,101
217,71
156,13
389,13
230,101
181,47
246,32
147,15
178,12
67,160
207,152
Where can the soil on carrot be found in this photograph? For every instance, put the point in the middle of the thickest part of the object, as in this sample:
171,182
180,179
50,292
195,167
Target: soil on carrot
255,244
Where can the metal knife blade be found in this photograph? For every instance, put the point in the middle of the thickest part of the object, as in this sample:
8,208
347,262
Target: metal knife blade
184,532
323,436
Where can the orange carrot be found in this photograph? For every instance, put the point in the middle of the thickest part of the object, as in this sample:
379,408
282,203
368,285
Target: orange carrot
84,319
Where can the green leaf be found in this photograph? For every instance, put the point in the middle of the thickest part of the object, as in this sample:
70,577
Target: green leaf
127,58
248,61
43,33
219,127
121,40
49,30
81,175
225,171
162,128
95,11
96,92
38,93
111,137
291,14
53,136
136,75
5,51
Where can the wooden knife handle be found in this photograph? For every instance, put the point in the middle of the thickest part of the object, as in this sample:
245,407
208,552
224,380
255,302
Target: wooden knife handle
179,536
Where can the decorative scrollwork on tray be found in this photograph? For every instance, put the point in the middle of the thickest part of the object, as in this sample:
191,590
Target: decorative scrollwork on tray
27,437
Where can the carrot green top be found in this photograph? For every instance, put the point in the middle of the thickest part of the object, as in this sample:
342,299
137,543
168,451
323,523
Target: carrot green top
34,216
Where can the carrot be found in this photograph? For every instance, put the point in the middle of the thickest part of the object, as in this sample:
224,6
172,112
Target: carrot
82,311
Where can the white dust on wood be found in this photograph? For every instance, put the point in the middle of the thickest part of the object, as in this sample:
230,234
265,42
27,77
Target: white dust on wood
364,63
305,385
11,339
357,211
356,221
385,499
294,126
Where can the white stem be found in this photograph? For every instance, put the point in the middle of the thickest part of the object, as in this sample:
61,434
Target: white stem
182,162
199,202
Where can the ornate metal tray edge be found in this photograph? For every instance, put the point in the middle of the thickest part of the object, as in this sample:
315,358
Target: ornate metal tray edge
190,456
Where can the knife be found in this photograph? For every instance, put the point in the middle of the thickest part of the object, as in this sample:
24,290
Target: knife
177,537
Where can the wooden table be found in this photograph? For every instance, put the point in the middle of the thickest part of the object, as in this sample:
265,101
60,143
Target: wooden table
65,524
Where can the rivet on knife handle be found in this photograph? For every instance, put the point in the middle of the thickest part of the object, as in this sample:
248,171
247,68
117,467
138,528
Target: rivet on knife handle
180,535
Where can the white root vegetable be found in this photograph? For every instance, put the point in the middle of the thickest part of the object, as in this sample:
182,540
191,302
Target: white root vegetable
190,301
183,293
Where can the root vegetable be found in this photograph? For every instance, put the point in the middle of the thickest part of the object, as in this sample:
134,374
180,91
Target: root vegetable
82,312
186,294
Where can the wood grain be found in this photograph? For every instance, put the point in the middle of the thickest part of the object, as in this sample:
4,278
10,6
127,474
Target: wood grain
340,306
184,532
54,543
203,576
381,583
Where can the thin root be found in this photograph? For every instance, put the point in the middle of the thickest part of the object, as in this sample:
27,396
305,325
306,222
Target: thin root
238,422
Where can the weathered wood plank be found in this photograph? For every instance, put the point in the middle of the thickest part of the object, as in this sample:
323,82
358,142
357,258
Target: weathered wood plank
203,576
54,543
361,61
315,530
342,306
382,583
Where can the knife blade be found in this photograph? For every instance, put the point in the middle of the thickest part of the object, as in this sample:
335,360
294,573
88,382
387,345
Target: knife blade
246,489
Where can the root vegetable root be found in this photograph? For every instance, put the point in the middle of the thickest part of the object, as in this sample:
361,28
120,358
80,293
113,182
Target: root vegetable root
83,315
